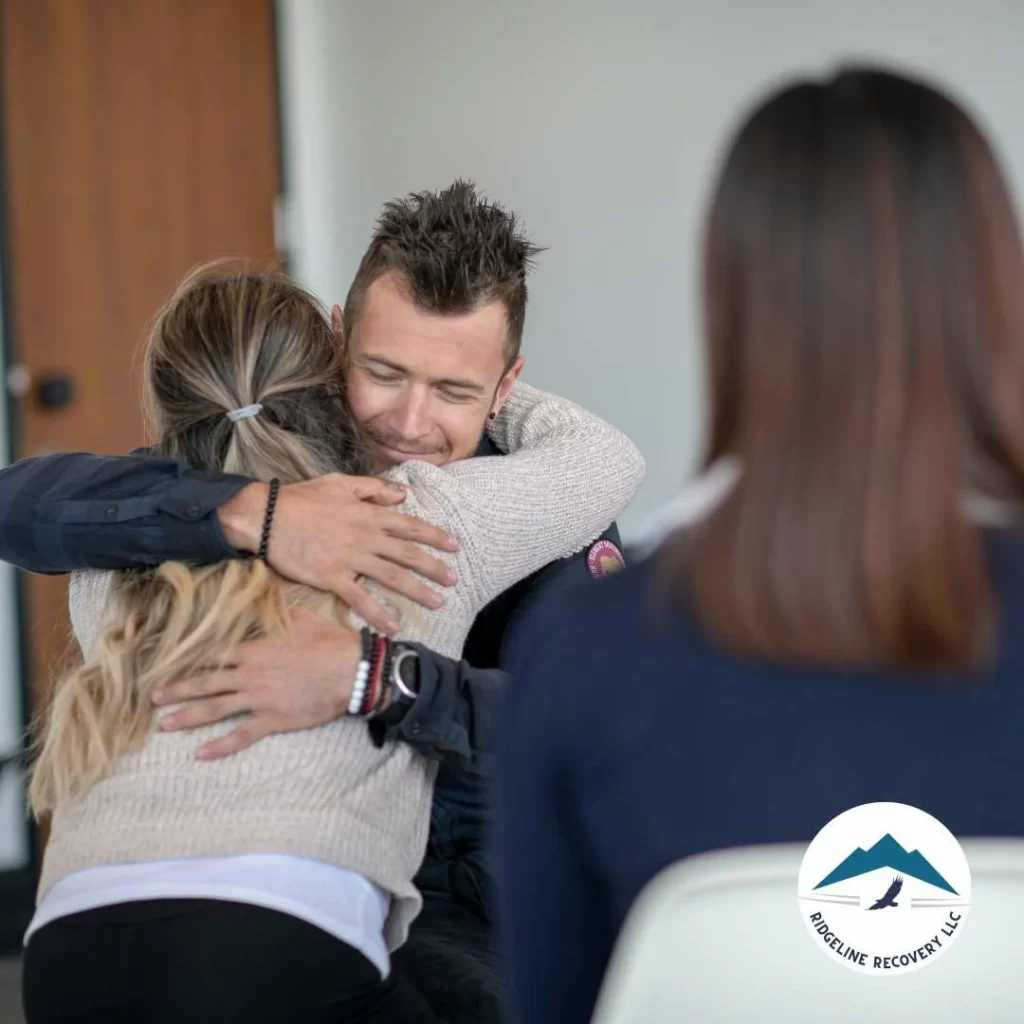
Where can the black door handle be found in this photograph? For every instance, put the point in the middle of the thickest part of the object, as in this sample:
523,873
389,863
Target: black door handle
55,391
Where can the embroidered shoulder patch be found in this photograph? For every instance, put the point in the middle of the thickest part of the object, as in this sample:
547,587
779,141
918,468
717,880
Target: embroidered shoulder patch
604,558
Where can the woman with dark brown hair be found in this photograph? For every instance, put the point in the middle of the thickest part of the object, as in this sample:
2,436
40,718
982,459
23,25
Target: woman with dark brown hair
856,566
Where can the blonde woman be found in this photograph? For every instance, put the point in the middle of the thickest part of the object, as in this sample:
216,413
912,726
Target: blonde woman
273,884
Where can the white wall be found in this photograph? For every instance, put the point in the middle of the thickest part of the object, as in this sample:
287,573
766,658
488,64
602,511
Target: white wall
600,123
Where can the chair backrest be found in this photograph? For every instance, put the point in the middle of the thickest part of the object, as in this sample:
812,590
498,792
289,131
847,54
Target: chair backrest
719,938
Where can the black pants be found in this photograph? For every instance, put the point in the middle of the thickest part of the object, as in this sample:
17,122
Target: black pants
450,958
201,962
451,954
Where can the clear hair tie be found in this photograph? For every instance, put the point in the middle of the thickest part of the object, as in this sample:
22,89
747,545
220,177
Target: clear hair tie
245,412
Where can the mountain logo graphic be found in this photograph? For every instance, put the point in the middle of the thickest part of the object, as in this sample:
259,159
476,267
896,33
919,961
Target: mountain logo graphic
884,888
886,853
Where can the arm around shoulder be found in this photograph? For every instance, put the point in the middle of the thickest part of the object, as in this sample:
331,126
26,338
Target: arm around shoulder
74,510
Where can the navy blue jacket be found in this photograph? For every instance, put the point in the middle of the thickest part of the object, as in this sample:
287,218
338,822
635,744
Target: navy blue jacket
630,741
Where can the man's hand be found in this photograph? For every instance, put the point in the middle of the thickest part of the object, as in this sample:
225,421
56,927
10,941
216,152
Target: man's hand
332,529
286,683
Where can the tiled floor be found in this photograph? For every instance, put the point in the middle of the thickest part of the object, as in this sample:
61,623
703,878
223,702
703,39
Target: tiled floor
10,998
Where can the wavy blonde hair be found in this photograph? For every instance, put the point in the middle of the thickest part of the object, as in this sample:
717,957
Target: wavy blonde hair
227,338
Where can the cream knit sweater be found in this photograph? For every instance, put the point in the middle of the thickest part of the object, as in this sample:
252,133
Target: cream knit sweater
329,794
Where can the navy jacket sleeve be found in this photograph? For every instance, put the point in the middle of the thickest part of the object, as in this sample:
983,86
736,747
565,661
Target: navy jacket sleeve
454,716
73,511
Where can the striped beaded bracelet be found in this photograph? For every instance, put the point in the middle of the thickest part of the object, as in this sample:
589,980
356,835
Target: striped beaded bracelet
370,685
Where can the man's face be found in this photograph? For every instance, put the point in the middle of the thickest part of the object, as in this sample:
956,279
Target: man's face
422,384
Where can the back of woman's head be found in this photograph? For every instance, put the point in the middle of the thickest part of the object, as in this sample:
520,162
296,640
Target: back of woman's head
227,340
230,340
864,289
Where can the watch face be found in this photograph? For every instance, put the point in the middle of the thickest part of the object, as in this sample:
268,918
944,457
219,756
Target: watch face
409,670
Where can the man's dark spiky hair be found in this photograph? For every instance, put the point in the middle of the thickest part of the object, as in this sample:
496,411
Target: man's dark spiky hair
455,250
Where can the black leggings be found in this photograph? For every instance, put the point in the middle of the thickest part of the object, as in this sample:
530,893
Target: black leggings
204,961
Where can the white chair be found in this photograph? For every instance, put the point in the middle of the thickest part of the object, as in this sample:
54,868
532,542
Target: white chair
719,938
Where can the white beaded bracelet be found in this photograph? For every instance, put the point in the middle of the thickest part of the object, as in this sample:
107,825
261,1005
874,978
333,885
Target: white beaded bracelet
359,688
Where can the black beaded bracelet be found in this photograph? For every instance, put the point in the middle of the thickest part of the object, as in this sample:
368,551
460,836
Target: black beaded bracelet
368,638
268,519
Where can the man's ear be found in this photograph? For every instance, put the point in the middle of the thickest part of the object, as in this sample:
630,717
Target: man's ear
337,321
506,385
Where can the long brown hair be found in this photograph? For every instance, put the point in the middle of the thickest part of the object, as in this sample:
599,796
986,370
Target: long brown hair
227,339
864,302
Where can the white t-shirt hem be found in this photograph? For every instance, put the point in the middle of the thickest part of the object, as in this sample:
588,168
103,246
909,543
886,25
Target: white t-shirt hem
290,885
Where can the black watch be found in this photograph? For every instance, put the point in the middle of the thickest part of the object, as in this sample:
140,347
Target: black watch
403,682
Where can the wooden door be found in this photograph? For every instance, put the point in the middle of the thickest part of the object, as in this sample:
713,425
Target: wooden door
140,138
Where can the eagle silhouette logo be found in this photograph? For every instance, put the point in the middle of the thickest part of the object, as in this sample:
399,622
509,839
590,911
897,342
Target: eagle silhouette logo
889,899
